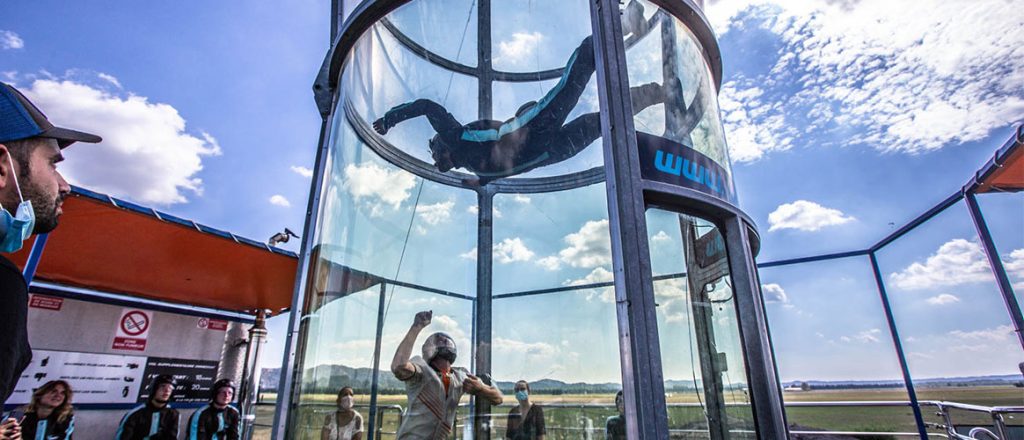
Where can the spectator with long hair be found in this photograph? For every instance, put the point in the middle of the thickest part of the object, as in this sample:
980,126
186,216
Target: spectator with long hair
49,415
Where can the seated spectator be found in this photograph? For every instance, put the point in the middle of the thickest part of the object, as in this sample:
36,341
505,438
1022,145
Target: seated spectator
346,423
49,415
529,426
154,420
615,428
218,420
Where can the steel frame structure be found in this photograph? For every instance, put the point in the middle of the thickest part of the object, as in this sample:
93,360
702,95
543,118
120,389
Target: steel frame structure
628,194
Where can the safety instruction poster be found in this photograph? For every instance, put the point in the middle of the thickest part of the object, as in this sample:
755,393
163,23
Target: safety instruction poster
94,377
194,378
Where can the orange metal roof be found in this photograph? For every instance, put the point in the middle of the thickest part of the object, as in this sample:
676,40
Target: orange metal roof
1005,172
114,246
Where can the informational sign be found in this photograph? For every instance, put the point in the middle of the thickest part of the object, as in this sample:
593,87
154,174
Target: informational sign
95,378
132,329
45,302
212,324
665,161
194,377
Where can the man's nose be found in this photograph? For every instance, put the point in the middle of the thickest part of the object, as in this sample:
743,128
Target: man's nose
62,185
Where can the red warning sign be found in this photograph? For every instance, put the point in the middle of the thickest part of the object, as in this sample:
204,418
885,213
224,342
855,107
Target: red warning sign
45,302
212,324
132,329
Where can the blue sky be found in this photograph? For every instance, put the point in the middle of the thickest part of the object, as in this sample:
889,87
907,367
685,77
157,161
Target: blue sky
844,120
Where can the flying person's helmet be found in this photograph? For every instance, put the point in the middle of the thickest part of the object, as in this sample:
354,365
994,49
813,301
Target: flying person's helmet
441,153
439,345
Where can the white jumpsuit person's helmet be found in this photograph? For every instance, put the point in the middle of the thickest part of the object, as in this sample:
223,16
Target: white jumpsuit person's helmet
439,344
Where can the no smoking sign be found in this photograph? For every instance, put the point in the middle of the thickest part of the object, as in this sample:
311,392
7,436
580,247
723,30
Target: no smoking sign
132,329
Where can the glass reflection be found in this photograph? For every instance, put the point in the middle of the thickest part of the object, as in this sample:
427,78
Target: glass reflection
704,366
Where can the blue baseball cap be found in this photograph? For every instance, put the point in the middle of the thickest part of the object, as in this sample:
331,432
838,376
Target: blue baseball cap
20,119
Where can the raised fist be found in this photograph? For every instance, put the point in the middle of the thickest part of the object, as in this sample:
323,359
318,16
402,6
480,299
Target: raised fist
423,319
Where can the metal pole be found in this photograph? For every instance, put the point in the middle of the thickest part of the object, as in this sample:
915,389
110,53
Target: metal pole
286,389
251,381
643,383
372,431
907,379
1012,306
765,390
33,258
483,62
482,308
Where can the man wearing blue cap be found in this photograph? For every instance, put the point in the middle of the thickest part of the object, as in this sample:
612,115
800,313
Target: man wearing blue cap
31,193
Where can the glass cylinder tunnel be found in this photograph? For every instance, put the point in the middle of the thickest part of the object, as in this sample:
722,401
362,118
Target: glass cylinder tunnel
464,171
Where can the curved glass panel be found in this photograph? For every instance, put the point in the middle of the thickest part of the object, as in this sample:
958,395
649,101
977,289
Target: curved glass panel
704,366
675,104
420,21
532,36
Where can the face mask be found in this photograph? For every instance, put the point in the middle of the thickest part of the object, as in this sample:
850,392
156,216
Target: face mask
346,402
522,395
16,229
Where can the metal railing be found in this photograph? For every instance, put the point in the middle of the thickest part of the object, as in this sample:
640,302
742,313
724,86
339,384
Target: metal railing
382,411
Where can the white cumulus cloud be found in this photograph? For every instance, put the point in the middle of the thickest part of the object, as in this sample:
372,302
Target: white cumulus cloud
378,185
943,299
110,79
519,49
805,216
864,336
1000,333
589,247
10,40
905,77
774,293
956,262
279,200
436,213
147,154
302,171
511,250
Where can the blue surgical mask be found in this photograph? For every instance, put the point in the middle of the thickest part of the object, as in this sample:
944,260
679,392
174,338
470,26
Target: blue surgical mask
522,395
15,229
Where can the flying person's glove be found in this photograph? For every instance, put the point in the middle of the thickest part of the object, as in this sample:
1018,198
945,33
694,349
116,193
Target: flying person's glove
384,124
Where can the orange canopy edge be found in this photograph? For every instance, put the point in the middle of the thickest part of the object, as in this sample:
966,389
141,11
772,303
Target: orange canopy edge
109,245
1005,172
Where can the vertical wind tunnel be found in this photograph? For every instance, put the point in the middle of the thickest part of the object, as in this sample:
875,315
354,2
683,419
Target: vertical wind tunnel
464,170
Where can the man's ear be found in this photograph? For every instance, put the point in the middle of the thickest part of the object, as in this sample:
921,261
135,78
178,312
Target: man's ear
5,166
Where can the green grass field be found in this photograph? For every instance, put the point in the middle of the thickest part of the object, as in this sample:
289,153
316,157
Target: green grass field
566,421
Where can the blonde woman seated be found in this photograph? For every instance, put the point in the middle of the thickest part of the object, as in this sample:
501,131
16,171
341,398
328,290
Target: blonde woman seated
49,415
346,423
526,420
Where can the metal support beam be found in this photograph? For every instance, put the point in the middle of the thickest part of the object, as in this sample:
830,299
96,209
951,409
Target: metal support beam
33,258
765,389
907,379
250,388
371,431
287,392
643,384
483,60
1005,289
482,313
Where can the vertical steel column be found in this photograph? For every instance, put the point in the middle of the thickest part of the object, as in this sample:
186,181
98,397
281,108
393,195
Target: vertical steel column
371,430
765,391
482,307
33,258
640,350
286,391
1012,306
921,428
250,388
483,61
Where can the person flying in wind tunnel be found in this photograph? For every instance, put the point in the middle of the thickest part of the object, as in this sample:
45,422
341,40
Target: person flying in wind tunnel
537,136
433,387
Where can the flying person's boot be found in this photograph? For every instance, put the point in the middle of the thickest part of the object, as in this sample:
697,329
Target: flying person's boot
633,21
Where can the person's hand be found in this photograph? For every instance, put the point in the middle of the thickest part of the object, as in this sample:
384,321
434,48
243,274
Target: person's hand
423,319
10,430
381,126
473,384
